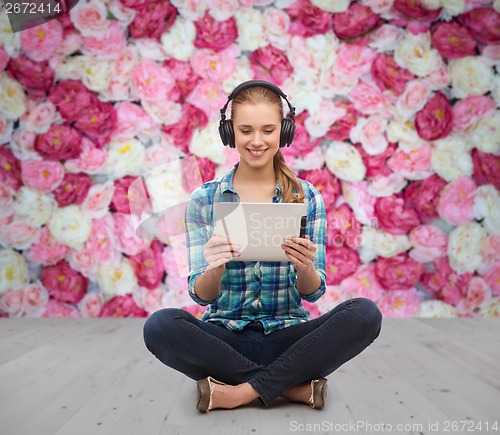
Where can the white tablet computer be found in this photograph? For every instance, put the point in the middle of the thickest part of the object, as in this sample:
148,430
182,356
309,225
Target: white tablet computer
260,227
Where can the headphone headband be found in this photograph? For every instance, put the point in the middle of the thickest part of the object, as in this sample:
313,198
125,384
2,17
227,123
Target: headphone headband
253,83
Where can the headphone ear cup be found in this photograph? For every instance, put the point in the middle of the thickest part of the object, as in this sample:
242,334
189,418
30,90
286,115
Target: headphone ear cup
226,132
287,132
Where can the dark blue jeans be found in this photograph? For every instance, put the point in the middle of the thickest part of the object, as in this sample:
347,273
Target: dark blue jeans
270,363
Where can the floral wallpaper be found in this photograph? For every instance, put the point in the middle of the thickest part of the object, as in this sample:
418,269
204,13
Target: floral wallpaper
398,126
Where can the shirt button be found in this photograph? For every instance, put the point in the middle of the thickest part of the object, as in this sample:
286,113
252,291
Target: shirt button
257,278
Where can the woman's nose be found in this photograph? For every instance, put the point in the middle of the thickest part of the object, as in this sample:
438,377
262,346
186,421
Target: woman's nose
257,139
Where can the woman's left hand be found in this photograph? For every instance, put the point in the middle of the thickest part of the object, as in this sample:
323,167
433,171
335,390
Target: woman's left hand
300,251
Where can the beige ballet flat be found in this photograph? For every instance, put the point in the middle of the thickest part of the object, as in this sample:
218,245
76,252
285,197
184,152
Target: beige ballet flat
318,393
205,390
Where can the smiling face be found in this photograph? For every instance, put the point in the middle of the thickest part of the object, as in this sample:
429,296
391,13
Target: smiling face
257,132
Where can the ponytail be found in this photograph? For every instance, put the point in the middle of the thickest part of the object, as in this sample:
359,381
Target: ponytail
287,180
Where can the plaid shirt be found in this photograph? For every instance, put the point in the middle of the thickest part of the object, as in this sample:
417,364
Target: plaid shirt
263,291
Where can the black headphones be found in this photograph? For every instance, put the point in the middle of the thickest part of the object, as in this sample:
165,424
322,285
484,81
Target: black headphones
226,129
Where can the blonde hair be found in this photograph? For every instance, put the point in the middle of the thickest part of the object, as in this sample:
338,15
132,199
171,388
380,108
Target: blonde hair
286,177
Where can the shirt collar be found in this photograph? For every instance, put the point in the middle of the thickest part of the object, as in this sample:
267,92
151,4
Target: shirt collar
227,181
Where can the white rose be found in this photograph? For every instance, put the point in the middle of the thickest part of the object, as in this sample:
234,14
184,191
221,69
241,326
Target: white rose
151,49
487,207
251,29
6,200
70,226
312,160
191,10
377,242
126,157
13,270
277,23
163,111
495,90
34,208
178,40
465,244
450,158
303,95
206,143
99,196
386,186
414,52
485,136
496,5
470,75
379,6
222,10
117,279
453,7
10,41
385,38
41,117
242,72
123,14
69,69
319,122
13,100
362,203
94,73
436,308
332,5
345,162
99,18
404,133
6,129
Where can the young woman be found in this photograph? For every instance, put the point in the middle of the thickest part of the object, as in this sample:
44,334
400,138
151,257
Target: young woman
255,340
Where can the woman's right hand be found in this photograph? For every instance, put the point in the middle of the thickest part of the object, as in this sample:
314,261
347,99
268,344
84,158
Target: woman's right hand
218,251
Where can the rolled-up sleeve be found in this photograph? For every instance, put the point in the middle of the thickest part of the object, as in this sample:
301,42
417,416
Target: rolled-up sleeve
316,230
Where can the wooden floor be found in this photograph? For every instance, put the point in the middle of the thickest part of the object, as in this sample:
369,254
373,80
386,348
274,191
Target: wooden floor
95,376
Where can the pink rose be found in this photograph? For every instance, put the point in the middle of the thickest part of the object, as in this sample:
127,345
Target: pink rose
97,122
394,215
343,227
384,38
389,75
47,250
302,143
271,64
61,142
196,171
453,41
429,243
150,81
4,58
215,65
91,305
312,308
64,283
17,233
214,34
277,21
363,283
491,251
36,77
185,79
58,309
120,201
456,204
149,299
415,165
148,265
444,283
84,261
413,98
97,201
129,242
371,133
90,18
208,96
43,176
40,42
307,19
367,98
492,277
483,24
356,21
341,262
70,96
400,303
102,240
326,183
469,110
340,130
73,189
376,164
122,306
478,295
486,168
39,118
491,52
435,120
131,119
90,161
424,195
110,41
12,302
414,9
152,19
353,60
10,168
359,199
35,299
399,272
182,132
6,200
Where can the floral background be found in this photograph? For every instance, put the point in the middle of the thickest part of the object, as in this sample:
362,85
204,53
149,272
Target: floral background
397,126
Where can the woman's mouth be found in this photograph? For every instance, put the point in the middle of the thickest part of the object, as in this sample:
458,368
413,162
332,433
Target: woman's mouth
259,153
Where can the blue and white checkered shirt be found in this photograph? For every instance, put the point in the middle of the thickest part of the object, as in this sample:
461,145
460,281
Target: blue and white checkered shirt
263,291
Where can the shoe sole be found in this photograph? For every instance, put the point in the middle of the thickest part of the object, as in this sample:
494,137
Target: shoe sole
203,390
320,393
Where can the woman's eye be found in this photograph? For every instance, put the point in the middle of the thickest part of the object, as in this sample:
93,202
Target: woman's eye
268,131
245,132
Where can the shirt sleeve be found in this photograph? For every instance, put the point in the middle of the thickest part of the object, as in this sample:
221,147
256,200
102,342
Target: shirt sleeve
198,232
316,229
